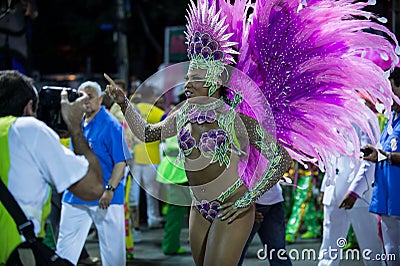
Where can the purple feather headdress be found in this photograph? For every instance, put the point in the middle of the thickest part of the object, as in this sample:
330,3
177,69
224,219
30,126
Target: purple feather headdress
208,42
311,60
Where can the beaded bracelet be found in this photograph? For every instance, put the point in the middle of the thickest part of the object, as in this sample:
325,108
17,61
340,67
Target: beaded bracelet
124,105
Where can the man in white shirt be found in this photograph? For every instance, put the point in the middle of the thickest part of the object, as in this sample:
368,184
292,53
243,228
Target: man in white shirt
32,157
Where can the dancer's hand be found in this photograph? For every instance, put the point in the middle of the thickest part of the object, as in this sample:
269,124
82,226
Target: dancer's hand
228,210
113,91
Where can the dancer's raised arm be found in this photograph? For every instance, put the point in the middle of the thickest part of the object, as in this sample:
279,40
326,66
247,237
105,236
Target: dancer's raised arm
140,128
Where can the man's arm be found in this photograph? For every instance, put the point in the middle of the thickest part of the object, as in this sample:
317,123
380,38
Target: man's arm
116,176
90,187
362,180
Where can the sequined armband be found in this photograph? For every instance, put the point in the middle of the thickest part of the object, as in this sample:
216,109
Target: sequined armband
269,178
135,121
124,106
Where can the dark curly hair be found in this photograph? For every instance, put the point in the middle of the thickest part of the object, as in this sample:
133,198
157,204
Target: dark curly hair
224,93
16,90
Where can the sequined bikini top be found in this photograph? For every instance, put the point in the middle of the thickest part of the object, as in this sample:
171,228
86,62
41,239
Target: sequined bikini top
215,143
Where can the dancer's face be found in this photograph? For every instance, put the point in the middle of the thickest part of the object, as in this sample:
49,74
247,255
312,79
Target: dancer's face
195,83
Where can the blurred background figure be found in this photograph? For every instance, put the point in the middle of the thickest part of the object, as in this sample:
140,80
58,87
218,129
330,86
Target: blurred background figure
131,141
176,186
15,34
270,224
174,180
147,159
304,202
385,197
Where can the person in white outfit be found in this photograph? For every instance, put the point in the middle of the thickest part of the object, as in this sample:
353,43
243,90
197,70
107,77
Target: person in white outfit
346,200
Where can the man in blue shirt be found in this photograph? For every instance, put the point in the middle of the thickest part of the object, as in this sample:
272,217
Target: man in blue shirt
105,137
385,198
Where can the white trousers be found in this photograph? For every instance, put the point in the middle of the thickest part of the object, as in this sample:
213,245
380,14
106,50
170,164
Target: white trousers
75,222
335,228
145,175
391,238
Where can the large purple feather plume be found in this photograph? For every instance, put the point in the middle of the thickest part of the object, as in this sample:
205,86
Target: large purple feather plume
312,60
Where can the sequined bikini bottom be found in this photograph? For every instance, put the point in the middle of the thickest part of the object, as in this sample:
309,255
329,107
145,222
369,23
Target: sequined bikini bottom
209,209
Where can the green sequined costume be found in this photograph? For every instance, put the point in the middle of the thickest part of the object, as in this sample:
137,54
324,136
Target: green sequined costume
303,209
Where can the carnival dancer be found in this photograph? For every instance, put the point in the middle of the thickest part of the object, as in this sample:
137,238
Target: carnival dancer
293,67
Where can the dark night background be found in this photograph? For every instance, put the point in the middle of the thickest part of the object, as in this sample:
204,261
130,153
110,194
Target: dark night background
77,36
67,33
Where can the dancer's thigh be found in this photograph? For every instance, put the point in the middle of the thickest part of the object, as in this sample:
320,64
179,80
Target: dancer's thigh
198,231
225,241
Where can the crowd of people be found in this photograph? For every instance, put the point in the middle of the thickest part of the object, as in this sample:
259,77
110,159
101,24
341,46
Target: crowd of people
213,155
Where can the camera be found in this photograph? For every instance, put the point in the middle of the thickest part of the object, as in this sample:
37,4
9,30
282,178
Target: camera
49,110
366,151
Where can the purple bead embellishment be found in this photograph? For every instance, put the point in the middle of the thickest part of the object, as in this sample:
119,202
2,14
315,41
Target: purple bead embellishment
211,139
185,140
206,52
204,45
208,209
202,117
197,47
213,45
218,55
205,38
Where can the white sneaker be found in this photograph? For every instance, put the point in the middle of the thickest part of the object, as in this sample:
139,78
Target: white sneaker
93,236
156,223
136,236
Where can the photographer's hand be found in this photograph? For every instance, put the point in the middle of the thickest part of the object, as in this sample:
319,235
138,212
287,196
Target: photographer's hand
72,112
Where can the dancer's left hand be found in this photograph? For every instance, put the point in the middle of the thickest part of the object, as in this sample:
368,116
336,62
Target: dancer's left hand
228,210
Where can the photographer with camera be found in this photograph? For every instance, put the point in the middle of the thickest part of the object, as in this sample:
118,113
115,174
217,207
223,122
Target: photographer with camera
32,158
